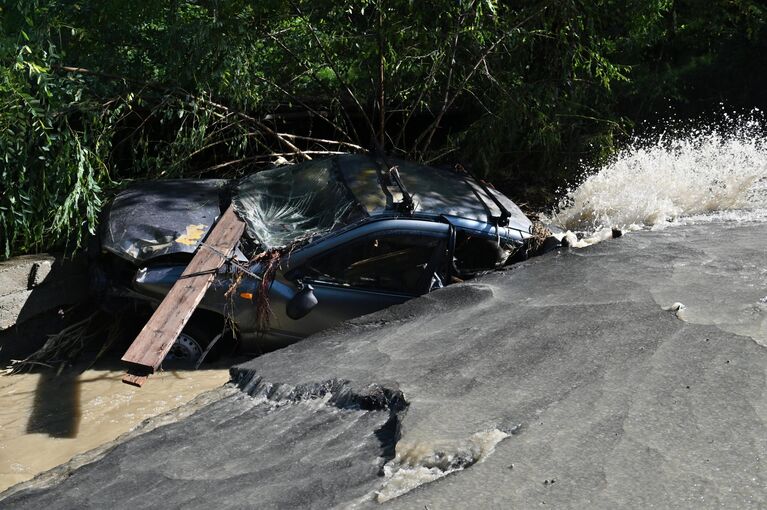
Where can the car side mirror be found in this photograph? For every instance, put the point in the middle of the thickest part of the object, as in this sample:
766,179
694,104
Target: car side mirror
302,303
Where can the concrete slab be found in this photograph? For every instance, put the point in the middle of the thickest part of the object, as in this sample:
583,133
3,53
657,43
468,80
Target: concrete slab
33,284
561,383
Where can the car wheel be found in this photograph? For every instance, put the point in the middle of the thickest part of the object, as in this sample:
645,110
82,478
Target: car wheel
189,346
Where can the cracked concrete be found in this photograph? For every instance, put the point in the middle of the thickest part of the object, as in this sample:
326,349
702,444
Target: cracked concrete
609,401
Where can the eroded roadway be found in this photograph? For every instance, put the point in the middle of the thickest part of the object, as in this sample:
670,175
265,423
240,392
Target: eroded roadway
606,399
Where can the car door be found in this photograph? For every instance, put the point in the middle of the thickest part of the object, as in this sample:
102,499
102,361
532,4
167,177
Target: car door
363,276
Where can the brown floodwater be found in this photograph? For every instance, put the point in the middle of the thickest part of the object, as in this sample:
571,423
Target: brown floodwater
46,419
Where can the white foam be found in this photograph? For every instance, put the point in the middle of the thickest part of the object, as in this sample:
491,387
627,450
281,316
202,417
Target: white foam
678,309
421,463
703,176
596,237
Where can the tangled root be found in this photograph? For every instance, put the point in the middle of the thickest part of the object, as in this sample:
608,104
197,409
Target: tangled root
65,346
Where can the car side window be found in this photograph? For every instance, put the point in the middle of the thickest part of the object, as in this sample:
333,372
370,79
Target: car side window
390,263
475,253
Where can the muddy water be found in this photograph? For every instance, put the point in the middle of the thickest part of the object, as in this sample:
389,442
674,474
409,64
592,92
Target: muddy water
710,180
46,420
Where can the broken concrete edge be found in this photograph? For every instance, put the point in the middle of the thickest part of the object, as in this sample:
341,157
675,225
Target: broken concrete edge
446,459
49,478
339,393
342,393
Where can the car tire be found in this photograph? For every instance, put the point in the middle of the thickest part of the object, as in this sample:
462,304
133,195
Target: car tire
190,346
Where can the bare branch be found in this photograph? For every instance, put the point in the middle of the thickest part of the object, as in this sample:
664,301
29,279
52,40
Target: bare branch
320,140
316,78
381,79
308,108
332,65
412,109
429,132
316,153
449,78
261,125
267,157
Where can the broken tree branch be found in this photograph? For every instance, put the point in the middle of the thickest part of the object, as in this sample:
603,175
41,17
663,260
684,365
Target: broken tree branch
267,157
321,140
331,63
317,80
261,125
250,118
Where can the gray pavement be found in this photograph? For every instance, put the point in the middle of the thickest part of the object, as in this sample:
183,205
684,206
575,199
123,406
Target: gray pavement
602,398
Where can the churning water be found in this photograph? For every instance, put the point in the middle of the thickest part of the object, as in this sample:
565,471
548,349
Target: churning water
705,175
710,180
420,463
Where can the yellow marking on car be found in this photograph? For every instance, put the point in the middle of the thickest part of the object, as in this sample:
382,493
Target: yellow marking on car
246,295
193,234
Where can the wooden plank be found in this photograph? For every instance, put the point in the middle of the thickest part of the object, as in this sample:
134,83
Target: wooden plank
156,338
135,379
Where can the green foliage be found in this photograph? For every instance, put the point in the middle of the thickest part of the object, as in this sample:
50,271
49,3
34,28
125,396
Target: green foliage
52,171
63,133
95,94
698,54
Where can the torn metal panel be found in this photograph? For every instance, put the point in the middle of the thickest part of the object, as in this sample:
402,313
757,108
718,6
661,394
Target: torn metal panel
151,219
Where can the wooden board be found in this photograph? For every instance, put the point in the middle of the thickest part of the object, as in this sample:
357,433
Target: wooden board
134,379
156,338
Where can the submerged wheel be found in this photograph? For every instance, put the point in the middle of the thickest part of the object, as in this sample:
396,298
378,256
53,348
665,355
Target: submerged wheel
185,348
189,345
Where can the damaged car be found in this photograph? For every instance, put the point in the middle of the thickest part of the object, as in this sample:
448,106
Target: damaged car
325,241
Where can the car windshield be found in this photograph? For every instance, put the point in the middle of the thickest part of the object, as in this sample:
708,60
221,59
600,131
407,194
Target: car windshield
288,204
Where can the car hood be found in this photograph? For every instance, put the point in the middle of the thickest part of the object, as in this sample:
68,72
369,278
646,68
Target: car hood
151,219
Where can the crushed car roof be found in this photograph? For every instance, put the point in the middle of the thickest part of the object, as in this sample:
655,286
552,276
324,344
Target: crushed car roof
285,204
294,202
